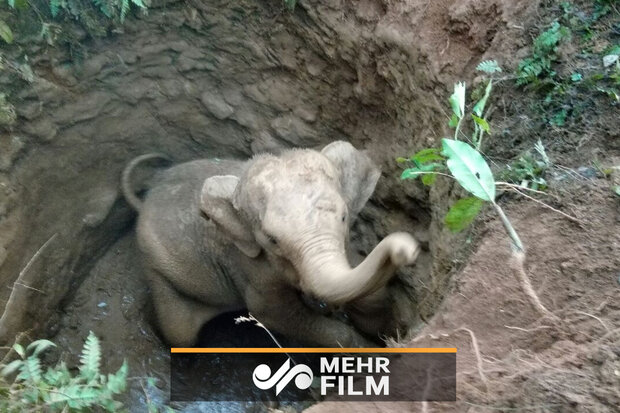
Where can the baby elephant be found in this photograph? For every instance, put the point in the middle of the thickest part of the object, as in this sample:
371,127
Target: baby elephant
221,235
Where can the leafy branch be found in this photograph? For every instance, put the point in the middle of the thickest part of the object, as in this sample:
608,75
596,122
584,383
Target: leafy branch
468,167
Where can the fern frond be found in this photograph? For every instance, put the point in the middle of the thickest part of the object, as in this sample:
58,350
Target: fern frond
30,370
102,5
489,66
91,358
124,9
74,396
55,7
39,346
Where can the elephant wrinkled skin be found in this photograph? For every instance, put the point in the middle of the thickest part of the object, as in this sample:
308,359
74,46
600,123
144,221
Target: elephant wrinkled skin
218,235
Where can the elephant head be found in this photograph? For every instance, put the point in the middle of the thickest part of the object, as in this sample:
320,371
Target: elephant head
298,207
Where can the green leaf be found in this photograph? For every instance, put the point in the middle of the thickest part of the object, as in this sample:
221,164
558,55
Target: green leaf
576,77
489,66
457,100
118,382
469,169
139,3
413,173
55,6
39,346
462,213
90,358
400,159
481,122
124,9
19,349
410,173
30,371
454,120
427,155
616,191
479,107
429,179
11,367
5,32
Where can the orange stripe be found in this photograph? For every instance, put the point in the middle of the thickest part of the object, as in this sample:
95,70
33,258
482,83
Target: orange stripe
309,350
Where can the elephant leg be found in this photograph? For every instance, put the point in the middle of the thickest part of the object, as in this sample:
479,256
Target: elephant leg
281,308
179,318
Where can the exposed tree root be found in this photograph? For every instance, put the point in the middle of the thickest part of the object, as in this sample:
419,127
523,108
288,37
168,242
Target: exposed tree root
18,300
518,266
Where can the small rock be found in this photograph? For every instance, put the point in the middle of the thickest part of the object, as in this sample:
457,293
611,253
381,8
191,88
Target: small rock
7,112
10,146
265,142
587,172
99,205
216,105
3,255
65,73
44,129
294,130
306,113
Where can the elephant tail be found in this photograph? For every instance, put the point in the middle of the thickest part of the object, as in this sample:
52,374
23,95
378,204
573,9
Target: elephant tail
126,187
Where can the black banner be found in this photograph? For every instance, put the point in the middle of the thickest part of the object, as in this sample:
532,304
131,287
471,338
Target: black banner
293,375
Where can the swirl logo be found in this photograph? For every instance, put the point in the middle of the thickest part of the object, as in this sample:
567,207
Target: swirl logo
264,380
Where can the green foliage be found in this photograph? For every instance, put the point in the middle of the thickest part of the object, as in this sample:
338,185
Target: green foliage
469,169
84,10
489,66
465,164
462,213
544,49
5,32
529,170
55,389
425,164
290,4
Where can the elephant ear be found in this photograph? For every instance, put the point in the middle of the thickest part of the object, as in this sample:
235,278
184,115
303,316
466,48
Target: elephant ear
216,203
358,174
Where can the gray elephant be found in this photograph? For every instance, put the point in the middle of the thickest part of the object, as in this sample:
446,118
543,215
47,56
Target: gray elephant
220,235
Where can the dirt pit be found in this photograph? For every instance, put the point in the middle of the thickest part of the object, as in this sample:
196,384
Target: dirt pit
251,77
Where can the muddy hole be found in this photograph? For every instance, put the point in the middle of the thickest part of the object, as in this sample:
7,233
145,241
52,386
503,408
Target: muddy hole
223,81
222,86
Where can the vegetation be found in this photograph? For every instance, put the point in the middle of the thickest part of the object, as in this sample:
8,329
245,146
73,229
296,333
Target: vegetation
25,386
544,53
566,88
529,170
55,389
464,163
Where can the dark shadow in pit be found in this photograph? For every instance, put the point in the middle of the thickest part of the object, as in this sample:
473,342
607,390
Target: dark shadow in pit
224,331
212,378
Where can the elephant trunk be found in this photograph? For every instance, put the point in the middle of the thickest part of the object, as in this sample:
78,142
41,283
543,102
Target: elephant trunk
329,276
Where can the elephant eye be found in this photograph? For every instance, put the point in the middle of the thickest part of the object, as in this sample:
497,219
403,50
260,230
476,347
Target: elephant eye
344,217
272,240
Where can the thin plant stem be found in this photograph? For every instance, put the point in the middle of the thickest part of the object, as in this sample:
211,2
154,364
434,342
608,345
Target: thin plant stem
516,241
458,127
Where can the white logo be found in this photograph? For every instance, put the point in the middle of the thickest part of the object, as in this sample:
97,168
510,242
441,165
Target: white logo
264,380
